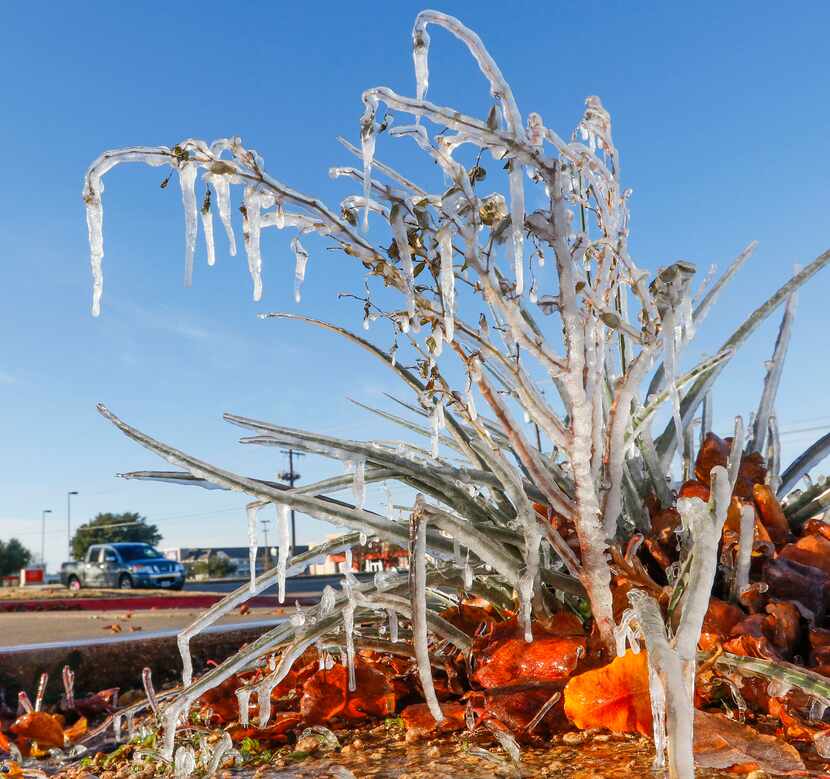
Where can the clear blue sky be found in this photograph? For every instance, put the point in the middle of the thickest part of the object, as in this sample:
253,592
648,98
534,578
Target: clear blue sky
721,114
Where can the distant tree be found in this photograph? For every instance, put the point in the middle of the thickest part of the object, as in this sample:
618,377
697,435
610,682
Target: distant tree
113,528
215,567
13,557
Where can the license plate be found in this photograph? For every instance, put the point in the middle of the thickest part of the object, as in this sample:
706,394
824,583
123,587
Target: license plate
165,583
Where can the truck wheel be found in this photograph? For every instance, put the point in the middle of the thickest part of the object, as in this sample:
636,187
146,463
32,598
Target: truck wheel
74,583
125,582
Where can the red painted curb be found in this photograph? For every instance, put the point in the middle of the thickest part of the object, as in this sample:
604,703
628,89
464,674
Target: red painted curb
135,603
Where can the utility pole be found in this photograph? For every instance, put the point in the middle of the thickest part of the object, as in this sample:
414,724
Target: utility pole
291,476
265,523
69,523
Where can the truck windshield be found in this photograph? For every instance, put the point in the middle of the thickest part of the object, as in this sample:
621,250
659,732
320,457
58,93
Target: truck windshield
130,552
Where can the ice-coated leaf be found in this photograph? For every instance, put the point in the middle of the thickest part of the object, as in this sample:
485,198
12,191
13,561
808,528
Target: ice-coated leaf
615,696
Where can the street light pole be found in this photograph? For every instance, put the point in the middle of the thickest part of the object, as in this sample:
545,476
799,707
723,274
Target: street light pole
69,523
43,538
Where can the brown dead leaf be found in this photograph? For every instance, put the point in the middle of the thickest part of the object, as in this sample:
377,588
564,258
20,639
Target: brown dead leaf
41,727
721,743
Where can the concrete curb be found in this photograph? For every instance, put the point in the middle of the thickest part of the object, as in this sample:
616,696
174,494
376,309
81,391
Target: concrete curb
133,603
118,661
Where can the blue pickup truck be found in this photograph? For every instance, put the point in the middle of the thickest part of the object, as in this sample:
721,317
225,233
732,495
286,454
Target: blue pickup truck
123,566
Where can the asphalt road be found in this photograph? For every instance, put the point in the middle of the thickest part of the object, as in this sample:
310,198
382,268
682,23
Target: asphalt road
42,627
48,627
295,586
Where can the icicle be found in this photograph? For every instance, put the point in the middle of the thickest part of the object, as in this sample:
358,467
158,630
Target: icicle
420,56
363,538
526,603
41,690
625,633
405,255
207,226
301,256
368,135
116,727
393,354
349,564
252,509
456,552
468,572
469,716
773,455
222,746
184,763
183,642
359,482
393,625
447,276
252,241
417,592
263,699
736,452
471,403
283,547
533,538
222,188
298,617
327,601
149,690
172,714
744,562
535,129
95,229
670,370
437,419
24,703
348,627
69,686
657,693
243,698
818,707
510,746
542,713
706,418
129,717
517,216
187,181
